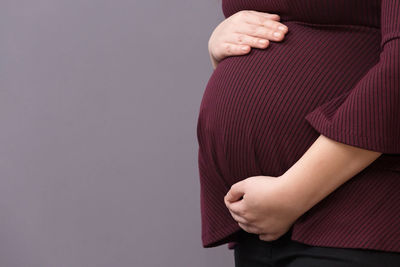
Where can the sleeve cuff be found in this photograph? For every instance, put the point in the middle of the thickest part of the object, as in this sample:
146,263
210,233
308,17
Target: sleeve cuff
326,127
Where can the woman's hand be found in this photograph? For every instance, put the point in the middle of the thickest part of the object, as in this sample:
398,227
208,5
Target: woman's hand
268,208
245,29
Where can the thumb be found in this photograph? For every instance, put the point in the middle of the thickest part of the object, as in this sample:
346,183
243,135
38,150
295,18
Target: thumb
236,192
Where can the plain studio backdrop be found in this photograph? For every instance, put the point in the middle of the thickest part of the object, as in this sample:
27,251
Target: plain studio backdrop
98,151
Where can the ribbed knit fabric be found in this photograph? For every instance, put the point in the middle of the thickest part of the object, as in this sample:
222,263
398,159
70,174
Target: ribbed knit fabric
336,73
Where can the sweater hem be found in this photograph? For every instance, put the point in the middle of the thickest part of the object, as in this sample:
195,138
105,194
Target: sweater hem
228,235
221,236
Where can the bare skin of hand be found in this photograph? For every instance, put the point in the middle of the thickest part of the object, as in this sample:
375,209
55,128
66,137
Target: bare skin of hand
270,205
263,210
237,34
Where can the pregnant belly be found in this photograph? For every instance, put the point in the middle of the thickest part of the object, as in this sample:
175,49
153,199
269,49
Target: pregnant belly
251,118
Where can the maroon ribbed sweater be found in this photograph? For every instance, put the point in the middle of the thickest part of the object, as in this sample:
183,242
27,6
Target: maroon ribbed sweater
336,73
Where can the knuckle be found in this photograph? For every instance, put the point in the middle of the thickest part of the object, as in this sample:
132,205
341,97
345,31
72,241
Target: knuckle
268,23
237,212
238,15
257,31
251,30
262,31
244,220
251,220
240,212
255,41
275,24
262,20
240,38
274,16
242,14
244,213
228,50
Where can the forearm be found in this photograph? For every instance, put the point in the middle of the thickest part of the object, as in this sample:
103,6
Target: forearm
325,166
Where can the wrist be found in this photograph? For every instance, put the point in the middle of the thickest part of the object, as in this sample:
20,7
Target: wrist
324,167
301,198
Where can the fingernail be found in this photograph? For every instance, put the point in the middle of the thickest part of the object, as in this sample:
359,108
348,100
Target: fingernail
262,41
282,28
277,34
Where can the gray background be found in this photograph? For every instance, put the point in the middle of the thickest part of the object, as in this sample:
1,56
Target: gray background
98,110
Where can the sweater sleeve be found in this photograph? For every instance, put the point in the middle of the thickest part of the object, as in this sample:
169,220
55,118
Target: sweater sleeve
368,115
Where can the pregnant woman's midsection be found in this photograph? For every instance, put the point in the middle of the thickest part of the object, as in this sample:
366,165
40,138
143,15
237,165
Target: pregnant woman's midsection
251,118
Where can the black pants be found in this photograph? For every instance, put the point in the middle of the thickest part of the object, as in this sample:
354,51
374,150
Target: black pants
283,252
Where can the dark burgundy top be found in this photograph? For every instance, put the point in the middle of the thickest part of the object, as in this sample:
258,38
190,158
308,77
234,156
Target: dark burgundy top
336,73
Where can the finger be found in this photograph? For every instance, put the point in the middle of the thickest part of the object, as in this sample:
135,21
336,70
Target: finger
267,237
239,214
266,21
236,191
266,14
243,39
260,32
229,49
233,204
238,218
249,228
236,207
275,25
